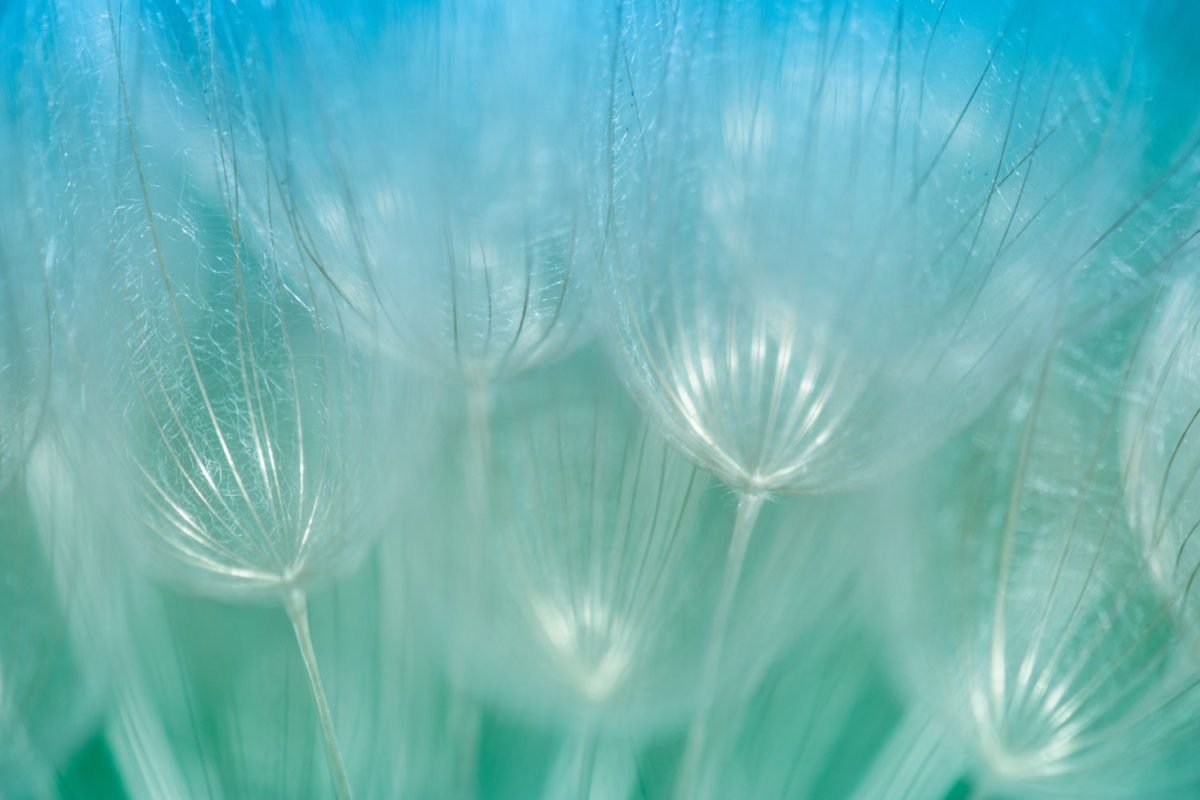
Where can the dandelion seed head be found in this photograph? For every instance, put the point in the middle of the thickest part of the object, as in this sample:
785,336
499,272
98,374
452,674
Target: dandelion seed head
235,447
1159,440
589,641
1051,635
929,195
454,208
588,594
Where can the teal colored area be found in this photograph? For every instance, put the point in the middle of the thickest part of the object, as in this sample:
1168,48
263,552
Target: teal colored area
91,773
632,400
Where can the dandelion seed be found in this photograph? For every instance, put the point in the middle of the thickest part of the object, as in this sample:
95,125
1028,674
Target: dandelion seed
28,251
1161,465
592,604
1043,644
443,172
818,240
839,231
1157,434
238,448
441,166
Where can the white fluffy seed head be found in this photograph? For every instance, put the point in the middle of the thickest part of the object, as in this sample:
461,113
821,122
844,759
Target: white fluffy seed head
924,193
443,166
1159,438
1026,615
585,591
238,451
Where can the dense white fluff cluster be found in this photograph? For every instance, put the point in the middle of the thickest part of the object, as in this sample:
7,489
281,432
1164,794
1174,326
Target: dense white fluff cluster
693,399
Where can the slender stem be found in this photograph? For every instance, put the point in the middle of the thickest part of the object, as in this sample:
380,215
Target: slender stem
921,759
478,452
575,766
479,410
479,417
142,752
585,764
477,457
296,604
465,722
749,506
983,786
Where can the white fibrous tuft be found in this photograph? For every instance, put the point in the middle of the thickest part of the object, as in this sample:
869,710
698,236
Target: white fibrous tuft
240,418
441,168
585,594
681,400
839,230
1159,438
1046,646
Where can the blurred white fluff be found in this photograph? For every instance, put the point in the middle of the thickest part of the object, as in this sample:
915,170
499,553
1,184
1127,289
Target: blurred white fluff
922,758
441,163
55,638
587,598
216,702
29,242
1160,443
811,727
1162,460
839,228
240,419
825,235
52,620
1021,607
231,433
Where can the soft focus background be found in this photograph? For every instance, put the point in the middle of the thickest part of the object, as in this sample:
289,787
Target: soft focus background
702,399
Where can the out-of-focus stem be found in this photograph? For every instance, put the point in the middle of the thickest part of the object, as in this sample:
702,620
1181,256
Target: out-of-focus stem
141,749
749,506
479,418
920,759
572,775
478,452
477,456
296,604
585,760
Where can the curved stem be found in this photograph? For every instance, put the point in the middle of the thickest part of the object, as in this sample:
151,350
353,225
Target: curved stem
296,604
477,456
591,766
479,417
478,451
921,759
749,506
142,751
585,756
571,776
